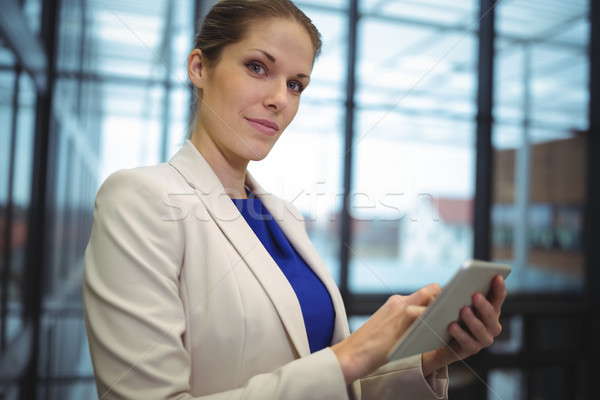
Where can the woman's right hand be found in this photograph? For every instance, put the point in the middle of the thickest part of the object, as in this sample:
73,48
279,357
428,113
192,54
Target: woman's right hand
366,349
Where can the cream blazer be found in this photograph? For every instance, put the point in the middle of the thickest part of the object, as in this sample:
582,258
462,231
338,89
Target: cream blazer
182,301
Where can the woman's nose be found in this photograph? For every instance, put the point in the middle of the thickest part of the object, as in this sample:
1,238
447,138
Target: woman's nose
277,94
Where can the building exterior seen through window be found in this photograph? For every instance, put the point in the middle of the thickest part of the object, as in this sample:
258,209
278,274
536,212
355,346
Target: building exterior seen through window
541,114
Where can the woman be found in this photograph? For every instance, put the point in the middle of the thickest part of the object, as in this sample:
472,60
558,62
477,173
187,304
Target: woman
199,284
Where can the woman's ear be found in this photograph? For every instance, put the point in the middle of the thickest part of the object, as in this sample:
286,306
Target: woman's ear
196,67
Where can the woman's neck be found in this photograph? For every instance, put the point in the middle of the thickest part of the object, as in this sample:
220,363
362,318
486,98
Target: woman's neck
230,170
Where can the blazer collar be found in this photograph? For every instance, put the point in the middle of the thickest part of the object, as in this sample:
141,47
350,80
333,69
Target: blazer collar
208,188
195,170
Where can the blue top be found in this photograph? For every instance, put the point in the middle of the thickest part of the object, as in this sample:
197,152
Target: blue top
317,308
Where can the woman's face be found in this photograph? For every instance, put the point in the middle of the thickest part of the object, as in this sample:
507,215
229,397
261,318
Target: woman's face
252,93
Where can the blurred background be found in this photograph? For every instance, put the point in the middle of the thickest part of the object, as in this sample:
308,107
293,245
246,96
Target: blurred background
433,131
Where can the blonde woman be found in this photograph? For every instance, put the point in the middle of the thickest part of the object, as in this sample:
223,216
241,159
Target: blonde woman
200,285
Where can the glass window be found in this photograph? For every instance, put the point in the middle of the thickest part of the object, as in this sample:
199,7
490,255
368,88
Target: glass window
540,112
506,384
7,82
7,58
10,391
305,167
131,134
21,201
71,37
413,176
549,382
127,35
59,240
179,117
118,94
309,6
140,53
33,11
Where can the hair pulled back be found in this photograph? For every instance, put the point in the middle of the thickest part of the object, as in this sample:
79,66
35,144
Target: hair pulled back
228,22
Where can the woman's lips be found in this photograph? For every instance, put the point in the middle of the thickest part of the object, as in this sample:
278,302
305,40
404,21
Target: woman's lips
265,126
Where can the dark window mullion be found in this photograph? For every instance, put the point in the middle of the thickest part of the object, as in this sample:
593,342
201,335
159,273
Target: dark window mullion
592,212
36,250
346,223
484,155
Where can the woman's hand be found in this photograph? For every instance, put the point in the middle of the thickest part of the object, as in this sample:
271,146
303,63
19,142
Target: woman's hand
480,325
366,349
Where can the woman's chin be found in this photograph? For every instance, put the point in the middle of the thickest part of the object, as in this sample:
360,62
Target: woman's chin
259,154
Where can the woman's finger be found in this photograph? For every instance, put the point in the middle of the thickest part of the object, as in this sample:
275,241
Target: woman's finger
488,315
399,309
424,296
465,344
478,330
415,311
498,293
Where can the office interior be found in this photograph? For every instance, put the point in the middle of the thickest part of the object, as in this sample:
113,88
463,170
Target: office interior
432,131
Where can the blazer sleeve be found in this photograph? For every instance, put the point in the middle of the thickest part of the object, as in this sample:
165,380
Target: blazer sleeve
403,379
134,316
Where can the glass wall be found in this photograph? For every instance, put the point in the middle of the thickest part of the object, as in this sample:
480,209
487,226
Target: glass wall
541,97
541,113
120,101
414,144
22,164
121,98
63,367
16,137
141,65
7,82
18,96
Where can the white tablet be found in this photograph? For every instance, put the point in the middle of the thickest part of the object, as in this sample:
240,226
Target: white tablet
430,330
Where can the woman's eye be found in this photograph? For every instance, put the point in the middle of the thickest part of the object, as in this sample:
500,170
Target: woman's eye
255,68
295,86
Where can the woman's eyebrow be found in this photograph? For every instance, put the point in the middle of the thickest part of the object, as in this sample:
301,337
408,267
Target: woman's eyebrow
274,60
268,55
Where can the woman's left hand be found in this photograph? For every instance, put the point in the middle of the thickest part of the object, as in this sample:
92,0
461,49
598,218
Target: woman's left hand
480,325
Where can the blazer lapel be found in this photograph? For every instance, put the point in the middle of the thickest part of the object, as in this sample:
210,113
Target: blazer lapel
196,171
289,221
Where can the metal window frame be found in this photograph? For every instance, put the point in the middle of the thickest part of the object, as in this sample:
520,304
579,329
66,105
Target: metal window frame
592,213
41,190
346,221
357,304
484,155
